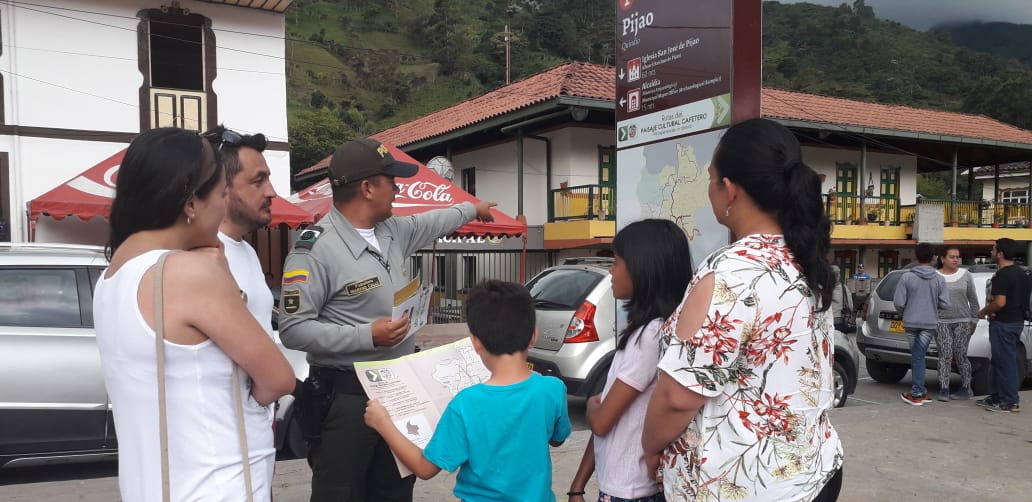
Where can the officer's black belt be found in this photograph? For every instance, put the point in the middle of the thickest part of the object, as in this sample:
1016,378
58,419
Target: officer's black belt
341,381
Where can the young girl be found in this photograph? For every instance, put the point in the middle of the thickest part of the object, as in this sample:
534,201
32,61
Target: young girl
651,271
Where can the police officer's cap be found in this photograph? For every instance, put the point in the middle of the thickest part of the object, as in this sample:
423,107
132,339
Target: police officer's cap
362,158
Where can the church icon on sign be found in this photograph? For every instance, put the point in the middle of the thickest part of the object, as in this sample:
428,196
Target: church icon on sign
634,70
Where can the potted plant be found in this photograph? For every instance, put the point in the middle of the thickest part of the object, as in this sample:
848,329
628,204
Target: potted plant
997,219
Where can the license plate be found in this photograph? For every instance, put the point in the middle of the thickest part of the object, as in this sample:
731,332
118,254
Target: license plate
896,326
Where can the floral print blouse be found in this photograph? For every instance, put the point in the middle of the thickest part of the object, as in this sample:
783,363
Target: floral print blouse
764,359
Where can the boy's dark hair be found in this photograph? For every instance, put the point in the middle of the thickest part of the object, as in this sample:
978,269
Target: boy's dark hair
1007,246
924,252
501,315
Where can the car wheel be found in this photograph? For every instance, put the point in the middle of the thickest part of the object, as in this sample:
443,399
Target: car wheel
841,383
599,384
886,373
981,376
982,373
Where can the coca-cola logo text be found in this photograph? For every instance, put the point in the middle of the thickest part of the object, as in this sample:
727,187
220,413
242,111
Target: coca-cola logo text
424,190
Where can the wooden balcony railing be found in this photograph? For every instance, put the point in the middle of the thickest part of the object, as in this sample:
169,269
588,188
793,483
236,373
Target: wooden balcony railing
582,202
849,208
982,213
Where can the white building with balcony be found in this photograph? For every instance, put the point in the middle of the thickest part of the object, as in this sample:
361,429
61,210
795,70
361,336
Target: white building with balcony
80,79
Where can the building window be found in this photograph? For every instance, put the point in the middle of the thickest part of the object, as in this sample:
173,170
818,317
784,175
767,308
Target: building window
469,180
177,61
845,178
887,262
890,182
1016,196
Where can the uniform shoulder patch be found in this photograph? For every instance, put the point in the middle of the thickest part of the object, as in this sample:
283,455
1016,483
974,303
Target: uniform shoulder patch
306,239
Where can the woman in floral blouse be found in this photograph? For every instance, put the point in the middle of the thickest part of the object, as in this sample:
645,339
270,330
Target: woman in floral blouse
740,410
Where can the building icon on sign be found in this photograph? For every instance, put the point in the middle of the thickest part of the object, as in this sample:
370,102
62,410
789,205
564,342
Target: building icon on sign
633,100
634,70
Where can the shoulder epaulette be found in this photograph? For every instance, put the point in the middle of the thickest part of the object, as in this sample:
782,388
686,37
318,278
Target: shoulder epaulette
306,239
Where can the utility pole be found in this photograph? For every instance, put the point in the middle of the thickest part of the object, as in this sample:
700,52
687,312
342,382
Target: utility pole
507,55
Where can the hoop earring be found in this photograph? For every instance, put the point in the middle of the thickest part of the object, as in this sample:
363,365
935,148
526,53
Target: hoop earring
189,220
727,211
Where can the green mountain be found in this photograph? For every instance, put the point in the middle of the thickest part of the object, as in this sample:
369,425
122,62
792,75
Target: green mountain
355,67
1008,40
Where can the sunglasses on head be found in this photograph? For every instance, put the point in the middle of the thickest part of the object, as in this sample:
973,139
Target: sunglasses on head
236,140
231,138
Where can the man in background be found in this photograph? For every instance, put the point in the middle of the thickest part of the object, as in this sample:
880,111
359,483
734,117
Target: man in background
920,294
1004,309
249,207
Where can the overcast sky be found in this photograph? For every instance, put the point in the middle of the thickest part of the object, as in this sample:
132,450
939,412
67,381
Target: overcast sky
923,14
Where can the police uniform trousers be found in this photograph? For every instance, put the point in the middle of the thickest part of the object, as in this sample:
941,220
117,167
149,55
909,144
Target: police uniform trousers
352,462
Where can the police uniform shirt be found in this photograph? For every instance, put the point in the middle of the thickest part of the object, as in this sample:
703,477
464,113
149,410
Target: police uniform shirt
335,284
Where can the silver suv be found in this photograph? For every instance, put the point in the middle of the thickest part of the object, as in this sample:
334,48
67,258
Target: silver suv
883,341
577,322
53,405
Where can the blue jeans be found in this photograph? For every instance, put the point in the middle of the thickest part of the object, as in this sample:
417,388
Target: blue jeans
919,339
1003,343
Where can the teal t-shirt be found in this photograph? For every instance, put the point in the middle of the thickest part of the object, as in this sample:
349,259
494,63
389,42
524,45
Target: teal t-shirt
497,436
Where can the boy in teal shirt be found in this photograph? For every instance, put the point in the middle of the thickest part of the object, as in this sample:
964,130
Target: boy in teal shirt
496,433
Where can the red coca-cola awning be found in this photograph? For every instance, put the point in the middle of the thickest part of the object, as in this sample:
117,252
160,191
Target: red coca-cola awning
89,195
425,191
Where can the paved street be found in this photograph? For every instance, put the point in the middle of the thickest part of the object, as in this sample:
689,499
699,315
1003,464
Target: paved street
941,452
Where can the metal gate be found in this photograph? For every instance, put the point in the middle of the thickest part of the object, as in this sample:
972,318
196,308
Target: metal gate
454,273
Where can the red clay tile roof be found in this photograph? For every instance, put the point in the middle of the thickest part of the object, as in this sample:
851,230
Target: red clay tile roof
778,104
586,80
582,80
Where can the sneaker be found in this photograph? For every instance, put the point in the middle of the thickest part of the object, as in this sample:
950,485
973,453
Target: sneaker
961,394
986,402
913,400
1004,408
944,395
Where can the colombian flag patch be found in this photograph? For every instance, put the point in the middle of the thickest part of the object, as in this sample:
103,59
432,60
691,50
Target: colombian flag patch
295,277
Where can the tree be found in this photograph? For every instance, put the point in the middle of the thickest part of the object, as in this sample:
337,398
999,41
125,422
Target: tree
314,135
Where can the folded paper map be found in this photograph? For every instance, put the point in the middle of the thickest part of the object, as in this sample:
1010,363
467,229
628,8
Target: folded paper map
417,388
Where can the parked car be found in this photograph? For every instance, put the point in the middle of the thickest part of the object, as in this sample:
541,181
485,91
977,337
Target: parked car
576,322
882,339
578,318
53,405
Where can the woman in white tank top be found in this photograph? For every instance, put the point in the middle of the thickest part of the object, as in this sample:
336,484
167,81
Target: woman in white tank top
169,196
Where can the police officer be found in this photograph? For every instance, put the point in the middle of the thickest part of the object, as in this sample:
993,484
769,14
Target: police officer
338,291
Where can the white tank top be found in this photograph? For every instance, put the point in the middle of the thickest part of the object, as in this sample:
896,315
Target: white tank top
204,452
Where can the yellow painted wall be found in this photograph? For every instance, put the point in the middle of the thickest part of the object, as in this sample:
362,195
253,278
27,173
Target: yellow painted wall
579,229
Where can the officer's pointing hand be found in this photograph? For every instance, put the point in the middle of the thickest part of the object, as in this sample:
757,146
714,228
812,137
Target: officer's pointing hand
388,332
484,211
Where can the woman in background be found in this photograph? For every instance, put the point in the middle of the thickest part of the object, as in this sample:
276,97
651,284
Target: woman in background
956,324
